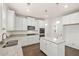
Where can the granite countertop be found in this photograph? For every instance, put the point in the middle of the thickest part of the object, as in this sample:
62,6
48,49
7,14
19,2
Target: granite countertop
9,33
15,50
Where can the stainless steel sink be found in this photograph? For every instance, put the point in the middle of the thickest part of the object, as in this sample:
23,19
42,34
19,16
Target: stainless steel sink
11,43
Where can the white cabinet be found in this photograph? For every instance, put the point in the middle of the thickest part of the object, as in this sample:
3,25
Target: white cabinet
29,21
11,20
71,18
43,45
32,39
32,22
19,23
71,35
52,49
25,23
41,23
28,40
11,51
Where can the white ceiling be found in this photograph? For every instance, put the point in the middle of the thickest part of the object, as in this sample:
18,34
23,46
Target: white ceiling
38,9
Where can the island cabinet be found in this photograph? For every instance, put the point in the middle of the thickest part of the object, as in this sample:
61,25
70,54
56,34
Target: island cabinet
52,48
43,45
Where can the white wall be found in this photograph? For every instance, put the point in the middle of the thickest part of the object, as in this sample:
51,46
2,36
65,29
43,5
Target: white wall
4,15
0,14
0,19
50,27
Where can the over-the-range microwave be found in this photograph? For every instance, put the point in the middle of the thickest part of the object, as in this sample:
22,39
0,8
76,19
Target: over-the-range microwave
30,27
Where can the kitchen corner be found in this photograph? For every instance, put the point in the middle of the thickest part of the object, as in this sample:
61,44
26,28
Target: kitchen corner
16,40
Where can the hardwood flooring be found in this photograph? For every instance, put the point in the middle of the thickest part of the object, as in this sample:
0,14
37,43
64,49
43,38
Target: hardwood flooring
71,51
34,50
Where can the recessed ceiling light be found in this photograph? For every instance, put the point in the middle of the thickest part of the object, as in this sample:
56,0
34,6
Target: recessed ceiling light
28,10
65,6
57,22
54,39
46,24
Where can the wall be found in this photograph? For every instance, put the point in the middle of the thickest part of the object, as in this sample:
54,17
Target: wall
0,14
50,27
0,19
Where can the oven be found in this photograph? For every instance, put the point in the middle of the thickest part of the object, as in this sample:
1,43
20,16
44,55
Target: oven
42,32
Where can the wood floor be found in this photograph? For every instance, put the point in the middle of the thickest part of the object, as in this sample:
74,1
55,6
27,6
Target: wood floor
71,51
34,50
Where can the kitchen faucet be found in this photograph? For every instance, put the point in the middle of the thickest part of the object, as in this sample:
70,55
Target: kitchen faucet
3,38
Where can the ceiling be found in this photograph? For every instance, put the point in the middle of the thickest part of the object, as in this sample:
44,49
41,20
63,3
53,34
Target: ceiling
43,10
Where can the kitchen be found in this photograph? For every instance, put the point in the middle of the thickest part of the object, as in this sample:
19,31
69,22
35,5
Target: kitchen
26,29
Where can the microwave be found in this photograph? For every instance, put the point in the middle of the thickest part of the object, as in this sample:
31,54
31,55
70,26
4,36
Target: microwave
30,27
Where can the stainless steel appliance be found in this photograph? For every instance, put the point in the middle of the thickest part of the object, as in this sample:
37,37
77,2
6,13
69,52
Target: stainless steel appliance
42,32
30,27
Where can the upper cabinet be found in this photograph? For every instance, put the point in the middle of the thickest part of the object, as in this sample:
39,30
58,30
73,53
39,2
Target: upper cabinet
22,23
10,20
71,19
41,23
19,23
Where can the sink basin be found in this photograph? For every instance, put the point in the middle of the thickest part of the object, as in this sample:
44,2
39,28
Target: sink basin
11,43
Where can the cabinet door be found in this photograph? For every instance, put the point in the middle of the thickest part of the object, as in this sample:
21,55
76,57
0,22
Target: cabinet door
43,45
25,23
71,35
32,39
19,23
41,23
71,19
51,49
36,25
11,20
29,21
25,41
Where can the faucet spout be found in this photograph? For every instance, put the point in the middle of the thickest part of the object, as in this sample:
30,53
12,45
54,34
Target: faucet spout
4,36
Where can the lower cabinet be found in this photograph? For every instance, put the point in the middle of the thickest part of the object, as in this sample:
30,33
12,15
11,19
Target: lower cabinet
52,49
28,40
